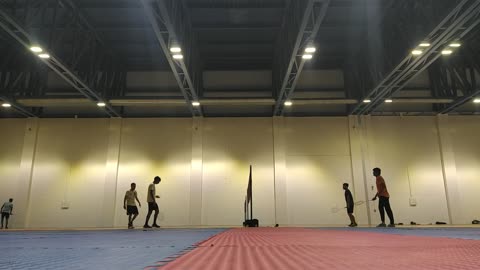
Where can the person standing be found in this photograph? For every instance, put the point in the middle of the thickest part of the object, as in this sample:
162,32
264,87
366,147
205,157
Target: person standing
6,210
350,205
130,205
152,204
384,199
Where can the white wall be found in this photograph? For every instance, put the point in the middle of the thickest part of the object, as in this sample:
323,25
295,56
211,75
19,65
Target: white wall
11,143
299,165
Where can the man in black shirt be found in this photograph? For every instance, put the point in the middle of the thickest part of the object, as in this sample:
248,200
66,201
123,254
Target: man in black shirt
350,205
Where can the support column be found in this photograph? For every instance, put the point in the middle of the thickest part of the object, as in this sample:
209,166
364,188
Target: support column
22,198
359,170
107,219
449,170
196,172
280,171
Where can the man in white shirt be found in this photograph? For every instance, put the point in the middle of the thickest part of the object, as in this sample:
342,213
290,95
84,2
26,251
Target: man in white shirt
130,205
6,210
152,204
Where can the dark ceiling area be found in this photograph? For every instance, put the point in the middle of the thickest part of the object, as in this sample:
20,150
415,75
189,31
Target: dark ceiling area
238,58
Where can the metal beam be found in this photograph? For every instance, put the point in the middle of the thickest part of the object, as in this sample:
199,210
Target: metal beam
464,17
299,29
171,23
468,84
22,110
19,33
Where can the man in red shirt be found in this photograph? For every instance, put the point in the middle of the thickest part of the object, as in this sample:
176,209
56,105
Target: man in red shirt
384,199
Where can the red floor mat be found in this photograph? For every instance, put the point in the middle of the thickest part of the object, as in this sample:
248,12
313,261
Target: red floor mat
289,248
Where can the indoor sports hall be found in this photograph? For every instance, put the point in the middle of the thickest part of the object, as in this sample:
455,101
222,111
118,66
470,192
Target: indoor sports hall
239,134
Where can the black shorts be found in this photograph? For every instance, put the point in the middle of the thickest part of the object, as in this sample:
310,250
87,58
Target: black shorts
350,210
152,206
132,210
5,215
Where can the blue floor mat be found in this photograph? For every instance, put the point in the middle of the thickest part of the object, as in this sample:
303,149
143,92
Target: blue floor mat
116,249
457,233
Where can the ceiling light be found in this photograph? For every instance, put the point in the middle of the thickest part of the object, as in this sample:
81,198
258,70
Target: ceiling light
195,103
101,104
177,56
424,44
310,49
447,52
44,56
455,45
288,103
417,52
388,101
367,101
36,49
307,56
6,105
477,100
175,49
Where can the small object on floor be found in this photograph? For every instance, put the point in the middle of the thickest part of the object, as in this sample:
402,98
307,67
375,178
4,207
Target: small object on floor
381,225
400,224
276,225
440,223
413,223
476,222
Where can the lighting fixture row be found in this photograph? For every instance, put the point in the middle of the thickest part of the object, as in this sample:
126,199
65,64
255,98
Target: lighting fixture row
287,103
308,52
176,52
37,50
446,51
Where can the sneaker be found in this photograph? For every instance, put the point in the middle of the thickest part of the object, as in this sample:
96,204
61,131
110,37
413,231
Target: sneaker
131,227
155,226
354,225
381,225
391,225
146,226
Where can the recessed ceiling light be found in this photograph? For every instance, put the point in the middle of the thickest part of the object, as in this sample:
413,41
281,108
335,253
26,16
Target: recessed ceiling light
424,44
388,101
36,49
6,105
175,49
101,104
195,103
367,101
417,52
455,45
177,56
447,52
310,49
44,56
307,56
288,103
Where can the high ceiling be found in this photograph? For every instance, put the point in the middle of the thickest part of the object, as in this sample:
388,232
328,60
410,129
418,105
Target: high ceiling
240,57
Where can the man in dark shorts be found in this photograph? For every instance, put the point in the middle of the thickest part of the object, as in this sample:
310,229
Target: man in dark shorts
350,205
130,205
152,204
6,210
384,199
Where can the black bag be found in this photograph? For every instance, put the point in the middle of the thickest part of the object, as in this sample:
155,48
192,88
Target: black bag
250,223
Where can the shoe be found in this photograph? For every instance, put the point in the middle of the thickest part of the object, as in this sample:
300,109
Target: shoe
391,225
354,225
131,227
155,226
146,226
381,225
